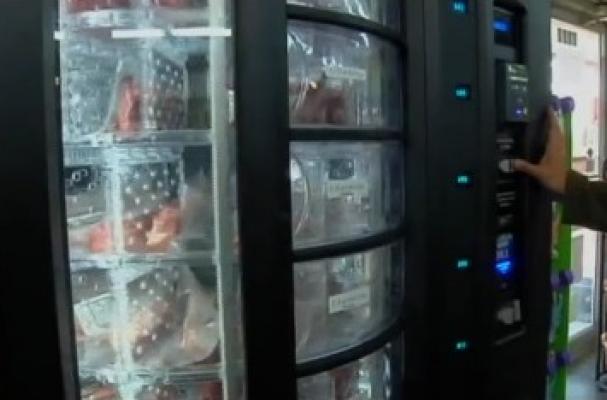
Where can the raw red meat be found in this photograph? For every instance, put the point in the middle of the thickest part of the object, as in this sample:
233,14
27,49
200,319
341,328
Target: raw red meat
100,238
128,119
172,3
211,391
91,5
166,226
321,105
154,233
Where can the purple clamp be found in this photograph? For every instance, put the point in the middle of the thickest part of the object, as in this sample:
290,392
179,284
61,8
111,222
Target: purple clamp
552,365
567,105
567,278
555,104
564,359
555,280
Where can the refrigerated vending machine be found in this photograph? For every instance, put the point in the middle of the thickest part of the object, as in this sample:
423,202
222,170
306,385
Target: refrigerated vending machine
222,199
226,191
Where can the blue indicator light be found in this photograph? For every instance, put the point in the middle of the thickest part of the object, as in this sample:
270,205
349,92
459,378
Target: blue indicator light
502,26
463,263
462,92
504,267
460,7
464,180
462,345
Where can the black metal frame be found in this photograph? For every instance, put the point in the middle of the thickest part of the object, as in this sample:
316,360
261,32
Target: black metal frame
264,198
302,134
446,305
36,316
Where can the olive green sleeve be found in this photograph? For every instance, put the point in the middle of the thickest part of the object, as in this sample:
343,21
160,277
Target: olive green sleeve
585,202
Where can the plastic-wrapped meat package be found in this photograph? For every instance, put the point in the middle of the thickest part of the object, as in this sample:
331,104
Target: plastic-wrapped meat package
338,384
122,90
327,83
348,193
150,97
76,6
350,294
151,213
310,307
205,390
171,319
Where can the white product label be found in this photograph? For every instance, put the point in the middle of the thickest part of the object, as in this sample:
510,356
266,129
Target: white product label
94,315
345,73
357,188
350,300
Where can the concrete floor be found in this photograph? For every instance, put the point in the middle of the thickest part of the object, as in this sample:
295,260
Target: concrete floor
581,384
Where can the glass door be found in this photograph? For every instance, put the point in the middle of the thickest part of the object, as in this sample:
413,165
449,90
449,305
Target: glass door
148,137
577,53
346,106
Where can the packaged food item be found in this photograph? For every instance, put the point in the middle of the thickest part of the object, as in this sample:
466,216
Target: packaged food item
170,319
310,307
122,90
76,6
93,389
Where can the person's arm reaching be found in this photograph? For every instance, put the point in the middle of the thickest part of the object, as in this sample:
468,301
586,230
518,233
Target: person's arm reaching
585,202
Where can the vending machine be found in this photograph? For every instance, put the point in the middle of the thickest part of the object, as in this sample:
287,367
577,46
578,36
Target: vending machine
273,199
223,204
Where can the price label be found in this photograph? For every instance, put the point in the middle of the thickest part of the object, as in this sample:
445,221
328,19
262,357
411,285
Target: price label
350,300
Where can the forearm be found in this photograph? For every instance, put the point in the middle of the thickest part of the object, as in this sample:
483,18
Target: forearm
585,202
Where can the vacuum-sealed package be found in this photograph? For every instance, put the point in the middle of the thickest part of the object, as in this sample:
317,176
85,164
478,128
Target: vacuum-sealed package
342,77
343,191
156,201
366,379
342,301
119,92
149,389
158,318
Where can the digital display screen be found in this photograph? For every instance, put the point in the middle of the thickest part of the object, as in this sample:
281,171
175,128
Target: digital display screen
504,26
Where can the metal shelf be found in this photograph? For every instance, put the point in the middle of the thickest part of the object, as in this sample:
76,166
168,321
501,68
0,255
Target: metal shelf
84,262
349,247
183,137
193,373
337,359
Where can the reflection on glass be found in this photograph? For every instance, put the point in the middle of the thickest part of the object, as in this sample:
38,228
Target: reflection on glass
585,263
383,11
341,77
345,191
341,301
374,377
147,149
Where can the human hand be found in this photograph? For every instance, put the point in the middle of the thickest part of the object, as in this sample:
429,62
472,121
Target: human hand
552,169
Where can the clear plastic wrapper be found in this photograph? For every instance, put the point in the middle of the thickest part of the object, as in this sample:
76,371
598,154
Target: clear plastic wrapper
161,318
341,77
383,11
343,191
371,378
79,6
159,202
148,389
342,301
118,91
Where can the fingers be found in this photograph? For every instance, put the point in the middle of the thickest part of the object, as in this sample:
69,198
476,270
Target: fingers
528,168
